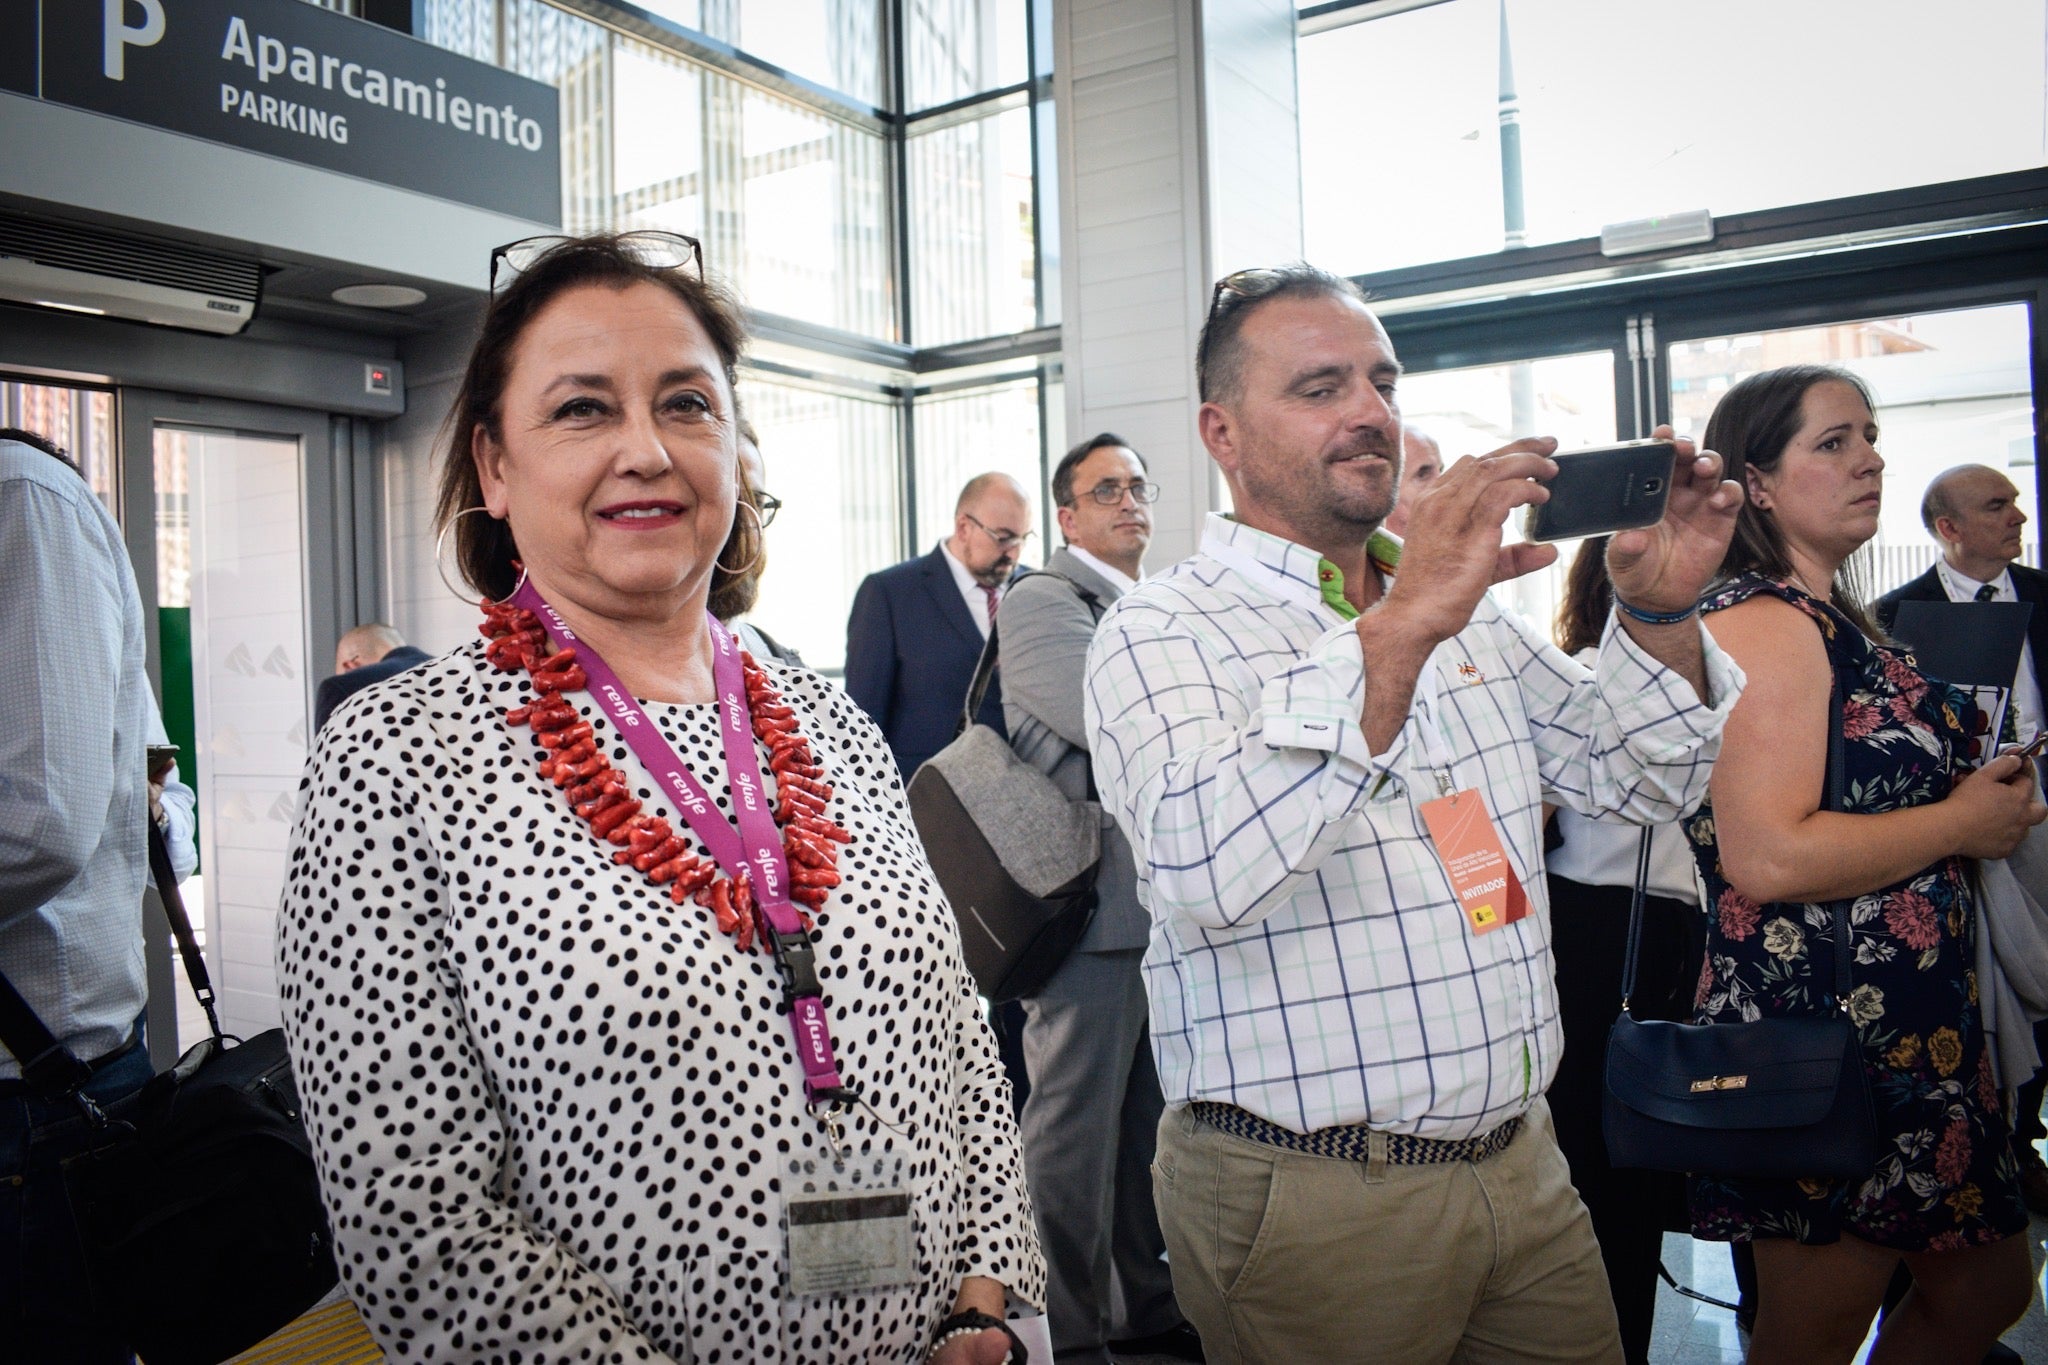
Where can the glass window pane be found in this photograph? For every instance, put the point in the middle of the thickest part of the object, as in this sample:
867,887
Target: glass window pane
79,422
800,207
960,435
469,27
1472,411
1951,387
956,48
658,153
833,43
574,55
1880,99
834,461
973,267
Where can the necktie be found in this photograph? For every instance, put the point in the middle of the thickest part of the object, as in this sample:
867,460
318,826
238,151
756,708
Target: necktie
989,595
1986,593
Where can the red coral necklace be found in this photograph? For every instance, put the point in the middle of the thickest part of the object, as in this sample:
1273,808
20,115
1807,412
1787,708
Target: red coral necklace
599,794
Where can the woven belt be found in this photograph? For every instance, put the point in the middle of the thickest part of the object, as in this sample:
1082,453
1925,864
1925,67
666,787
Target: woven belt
1353,1142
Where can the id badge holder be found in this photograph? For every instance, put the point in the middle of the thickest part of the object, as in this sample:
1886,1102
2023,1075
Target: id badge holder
1488,892
847,1223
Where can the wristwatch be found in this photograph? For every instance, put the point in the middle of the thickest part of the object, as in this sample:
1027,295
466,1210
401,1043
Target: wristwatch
973,1322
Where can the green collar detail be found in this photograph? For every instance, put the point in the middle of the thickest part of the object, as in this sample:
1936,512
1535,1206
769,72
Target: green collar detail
1382,550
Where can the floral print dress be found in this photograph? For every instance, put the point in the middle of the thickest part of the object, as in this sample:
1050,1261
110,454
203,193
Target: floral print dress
1948,1177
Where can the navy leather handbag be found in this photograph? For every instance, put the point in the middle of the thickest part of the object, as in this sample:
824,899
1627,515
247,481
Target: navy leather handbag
1772,1097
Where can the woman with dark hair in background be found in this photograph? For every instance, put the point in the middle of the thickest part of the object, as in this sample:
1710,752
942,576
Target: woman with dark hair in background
1591,871
574,1089
1944,1197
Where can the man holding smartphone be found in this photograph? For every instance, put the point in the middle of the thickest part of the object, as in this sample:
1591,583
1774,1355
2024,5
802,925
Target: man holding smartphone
1330,753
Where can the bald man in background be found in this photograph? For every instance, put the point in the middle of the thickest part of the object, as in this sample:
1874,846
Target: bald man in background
1422,459
916,629
367,654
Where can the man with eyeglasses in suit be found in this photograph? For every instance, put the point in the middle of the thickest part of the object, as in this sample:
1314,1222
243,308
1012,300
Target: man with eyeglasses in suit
1092,1116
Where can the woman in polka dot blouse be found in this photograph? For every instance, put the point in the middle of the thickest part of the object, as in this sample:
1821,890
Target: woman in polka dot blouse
559,1111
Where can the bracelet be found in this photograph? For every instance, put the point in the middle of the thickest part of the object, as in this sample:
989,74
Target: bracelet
1655,618
972,1323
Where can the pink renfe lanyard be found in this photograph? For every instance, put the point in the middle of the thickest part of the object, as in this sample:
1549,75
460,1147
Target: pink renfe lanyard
756,846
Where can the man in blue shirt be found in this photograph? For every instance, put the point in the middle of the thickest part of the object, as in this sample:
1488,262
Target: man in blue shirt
74,725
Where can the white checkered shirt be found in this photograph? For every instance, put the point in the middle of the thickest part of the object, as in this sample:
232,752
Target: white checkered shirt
1309,962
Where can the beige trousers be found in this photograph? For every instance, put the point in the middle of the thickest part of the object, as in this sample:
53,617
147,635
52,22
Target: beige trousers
1284,1259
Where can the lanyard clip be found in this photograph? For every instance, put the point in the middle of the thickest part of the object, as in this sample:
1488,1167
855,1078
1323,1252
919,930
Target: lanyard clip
799,968
1444,786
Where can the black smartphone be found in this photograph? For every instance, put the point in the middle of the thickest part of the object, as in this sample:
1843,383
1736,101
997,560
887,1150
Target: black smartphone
1604,489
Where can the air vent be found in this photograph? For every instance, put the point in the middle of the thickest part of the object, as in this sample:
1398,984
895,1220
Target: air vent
144,279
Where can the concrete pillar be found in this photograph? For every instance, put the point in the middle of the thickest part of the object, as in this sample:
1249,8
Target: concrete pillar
1179,161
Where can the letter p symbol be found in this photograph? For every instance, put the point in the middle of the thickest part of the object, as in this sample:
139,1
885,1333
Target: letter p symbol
120,36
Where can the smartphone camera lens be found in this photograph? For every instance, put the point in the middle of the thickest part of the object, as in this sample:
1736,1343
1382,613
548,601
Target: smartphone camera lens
1652,487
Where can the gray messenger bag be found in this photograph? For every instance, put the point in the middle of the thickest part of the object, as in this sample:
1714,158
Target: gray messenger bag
1016,858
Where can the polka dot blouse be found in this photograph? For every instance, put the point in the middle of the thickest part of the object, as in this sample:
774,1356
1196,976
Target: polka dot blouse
553,1111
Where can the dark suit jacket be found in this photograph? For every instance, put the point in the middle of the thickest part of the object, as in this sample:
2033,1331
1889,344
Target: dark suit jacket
339,688
2029,585
911,648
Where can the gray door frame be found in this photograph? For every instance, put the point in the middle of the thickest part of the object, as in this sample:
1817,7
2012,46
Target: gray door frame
343,582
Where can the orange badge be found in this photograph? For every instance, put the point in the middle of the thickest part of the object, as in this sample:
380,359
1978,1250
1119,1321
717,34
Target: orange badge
1469,847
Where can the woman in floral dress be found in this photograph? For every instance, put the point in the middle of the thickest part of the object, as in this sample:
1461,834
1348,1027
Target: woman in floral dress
1944,1197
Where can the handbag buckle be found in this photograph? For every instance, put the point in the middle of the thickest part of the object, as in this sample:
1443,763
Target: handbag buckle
1720,1083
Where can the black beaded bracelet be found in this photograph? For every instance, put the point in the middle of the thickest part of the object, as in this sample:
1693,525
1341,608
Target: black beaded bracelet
974,1320
1656,618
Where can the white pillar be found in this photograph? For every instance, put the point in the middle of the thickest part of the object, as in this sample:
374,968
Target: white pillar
1179,162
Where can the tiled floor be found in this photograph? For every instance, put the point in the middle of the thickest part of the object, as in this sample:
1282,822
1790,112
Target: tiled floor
1692,1333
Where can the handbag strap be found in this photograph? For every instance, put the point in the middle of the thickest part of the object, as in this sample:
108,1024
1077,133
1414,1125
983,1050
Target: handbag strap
985,666
47,1066
1838,910
1837,778
50,1068
181,926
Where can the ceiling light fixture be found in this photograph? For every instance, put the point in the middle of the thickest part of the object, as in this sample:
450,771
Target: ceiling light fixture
379,295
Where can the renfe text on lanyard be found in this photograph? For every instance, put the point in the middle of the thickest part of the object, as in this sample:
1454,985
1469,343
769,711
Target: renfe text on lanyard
756,846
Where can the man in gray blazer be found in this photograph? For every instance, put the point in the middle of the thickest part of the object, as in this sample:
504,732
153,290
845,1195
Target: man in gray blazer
1092,1115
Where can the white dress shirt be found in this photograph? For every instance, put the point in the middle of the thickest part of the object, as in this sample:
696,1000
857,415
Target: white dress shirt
2026,688
74,793
970,591
181,808
1603,852
1116,577
1309,961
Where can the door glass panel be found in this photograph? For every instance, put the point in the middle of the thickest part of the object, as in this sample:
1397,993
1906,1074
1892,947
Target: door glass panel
1951,387
1881,98
1472,411
79,422
231,552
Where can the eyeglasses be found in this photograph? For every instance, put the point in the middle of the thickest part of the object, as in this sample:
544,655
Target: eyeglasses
1246,286
653,249
1109,492
1002,540
767,504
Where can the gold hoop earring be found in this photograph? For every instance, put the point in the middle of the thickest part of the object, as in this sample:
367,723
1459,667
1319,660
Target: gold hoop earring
441,541
760,543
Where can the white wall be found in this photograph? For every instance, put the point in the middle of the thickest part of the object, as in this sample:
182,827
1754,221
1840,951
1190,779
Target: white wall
425,612
1179,162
